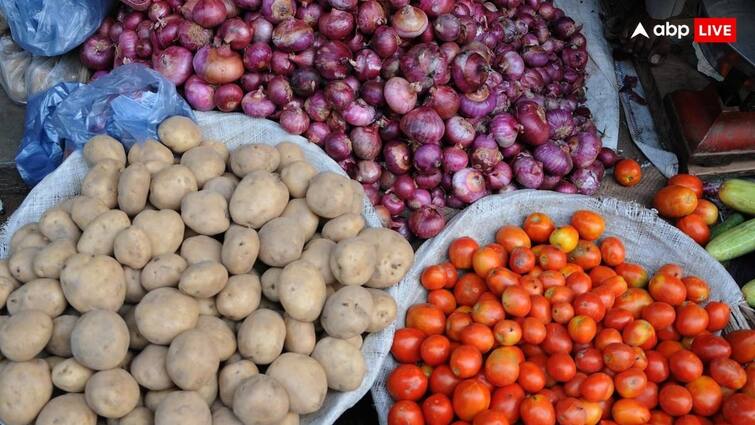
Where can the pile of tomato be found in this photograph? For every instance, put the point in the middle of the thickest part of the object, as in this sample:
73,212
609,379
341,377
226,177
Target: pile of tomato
682,199
550,325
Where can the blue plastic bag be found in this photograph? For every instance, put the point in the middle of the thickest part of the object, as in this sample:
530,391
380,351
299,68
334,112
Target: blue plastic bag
53,27
128,104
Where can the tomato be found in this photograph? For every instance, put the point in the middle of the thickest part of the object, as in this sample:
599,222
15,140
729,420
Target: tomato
668,289
588,360
553,395
671,269
407,382
538,227
606,337
499,278
507,400
638,332
658,417
675,400
630,412
707,210
697,289
478,336
708,347
562,312
692,420
512,237
470,398
675,201
451,274
618,357
521,260
630,383
667,348
533,331
406,345
531,284
739,409
659,314
589,304
502,367
579,282
488,311
405,412
706,396
507,332
569,411
466,361
427,318
552,279
635,275
617,318
561,367
540,308
612,251
551,258
531,378
728,373
443,299
689,181
589,225
633,300
586,255
516,301
685,366
487,258
600,274
437,410
490,417
742,345
627,172
435,350
718,315
571,387
565,238
691,319
461,250
468,289
455,323
582,329
537,410
657,369
649,395
557,339
443,380
434,277
694,226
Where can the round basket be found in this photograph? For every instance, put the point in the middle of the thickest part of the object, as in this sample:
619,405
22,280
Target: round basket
649,241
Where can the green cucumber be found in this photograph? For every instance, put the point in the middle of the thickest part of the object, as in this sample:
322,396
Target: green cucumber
732,221
749,292
734,242
739,195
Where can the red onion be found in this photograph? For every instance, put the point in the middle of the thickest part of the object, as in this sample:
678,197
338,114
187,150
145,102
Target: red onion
564,27
257,105
485,153
278,10
555,160
350,166
586,181
428,180
531,116
584,148
389,129
331,60
527,171
186,8
231,10
424,63
262,30
158,10
367,65
144,30
560,123
257,56
336,24
370,16
511,65
549,182
578,40
608,157
438,197
305,58
423,125
218,65
228,97
427,157
339,94
393,203
317,107
132,20
535,56
337,145
115,31
137,4
450,50
279,91
400,95
574,57
404,187
397,157
368,172
469,185
477,104
167,30
564,186
512,151
353,82
444,100
304,81
385,41
209,13
193,36
336,122
454,159
365,142
409,21
420,199
498,177
199,94
390,67
143,48
453,201
356,42
105,26
280,64
294,120
359,113
598,168
175,64
236,33
317,132
248,4
343,4
504,128
459,132
97,52
387,179
469,71
372,92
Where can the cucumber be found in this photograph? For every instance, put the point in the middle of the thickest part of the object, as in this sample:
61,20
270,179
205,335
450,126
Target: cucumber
739,195
748,290
734,242
732,221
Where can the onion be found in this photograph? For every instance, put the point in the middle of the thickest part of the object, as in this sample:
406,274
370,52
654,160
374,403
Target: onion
511,65
317,132
218,65
368,172
450,50
584,149
143,48
535,56
336,24
586,181
438,197
459,132
317,107
257,105
549,182
444,100
531,116
336,122
115,31
331,60
367,65
608,157
309,13
257,56
499,176
236,33
468,29
478,104
144,30
505,129
469,71
409,21
423,125
262,29
350,166
337,145
527,171
564,186
370,16
137,4
389,129
428,180
454,159
175,64
387,179
359,113
555,160
132,20
304,81
404,187
209,13
397,157
158,10
393,203
305,58
425,64
485,153
279,91
469,185
339,94
294,120
199,94
598,168
385,41
400,95
231,10
512,151
420,199
427,157
564,27
193,36
278,10
453,201
228,97
105,26
97,52
366,142
560,123
390,67
574,57
372,92
426,222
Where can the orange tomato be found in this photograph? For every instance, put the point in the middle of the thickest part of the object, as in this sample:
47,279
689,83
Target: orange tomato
487,258
470,398
565,238
707,210
427,318
627,411
694,226
689,181
612,251
675,201
501,367
589,224
434,277
551,258
697,289
538,227
521,260
635,275
461,250
627,172
586,255
499,278
443,299
512,237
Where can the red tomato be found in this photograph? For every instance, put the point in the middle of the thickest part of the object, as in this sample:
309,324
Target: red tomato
668,348
478,336
531,377
451,274
502,367
739,409
667,289
709,347
582,329
551,258
406,345
405,412
675,400
630,383
671,269
540,308
487,258
507,400
728,373
461,250
579,282
490,417
537,410
627,172
612,251
599,274
617,318
742,345
516,301
659,314
507,332
437,410
707,210
562,312
443,299
456,322
561,367
694,226
533,330
697,289
427,318
435,350
691,319
488,311
675,201
638,332
434,277
470,398
557,339
466,361
657,369
618,357
718,315
499,278
706,396
407,382
586,255
569,411
589,224
512,237
649,395
571,387
689,181
468,289
589,360
521,260
633,300
685,366
538,227
658,417
630,412
443,380
589,304
635,275
607,336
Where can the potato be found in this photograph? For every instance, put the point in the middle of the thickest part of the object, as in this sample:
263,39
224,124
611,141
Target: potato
299,211
57,224
329,194
317,252
205,212
300,336
134,289
221,334
179,133
254,157
261,336
259,197
136,341
343,363
223,185
260,399
394,256
209,391
348,312
356,341
101,147
99,237
60,340
269,282
296,176
148,368
231,376
112,393
219,147
303,378
204,162
241,246
164,313
132,247
353,261
152,399
53,361
21,264
133,188
29,229
240,296
201,248
289,152
165,230
343,227
44,295
93,282
163,270
100,340
183,408
71,376
139,416
203,280
101,182
301,291
357,202
25,334
383,310
224,416
6,287
49,260
25,388
67,409
281,241
153,154
291,418
170,185
207,307
192,359
84,209
5,271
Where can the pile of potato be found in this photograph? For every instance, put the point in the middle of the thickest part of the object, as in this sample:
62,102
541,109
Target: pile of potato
143,301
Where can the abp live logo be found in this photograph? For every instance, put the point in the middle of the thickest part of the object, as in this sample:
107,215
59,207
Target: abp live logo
706,30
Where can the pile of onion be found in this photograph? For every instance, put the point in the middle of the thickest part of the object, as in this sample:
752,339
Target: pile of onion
429,104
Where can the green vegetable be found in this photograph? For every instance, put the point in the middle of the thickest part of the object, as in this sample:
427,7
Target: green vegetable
734,242
749,292
739,195
732,221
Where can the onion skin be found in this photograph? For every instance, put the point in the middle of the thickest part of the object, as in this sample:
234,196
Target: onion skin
397,157
97,52
454,159
527,171
257,56
228,97
585,148
444,100
499,177
257,105
337,145
193,36
469,185
175,64
531,116
425,64
370,16
555,160
586,181
423,125
409,21
199,94
469,71
426,222
366,142
400,95
209,13
277,10
317,132
505,129
459,132
294,120
332,59
236,33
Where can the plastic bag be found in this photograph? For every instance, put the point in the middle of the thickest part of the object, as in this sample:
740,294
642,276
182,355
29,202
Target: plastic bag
51,28
44,72
127,104
13,65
